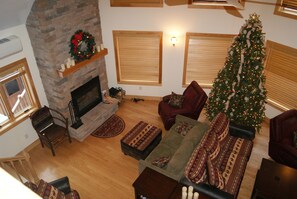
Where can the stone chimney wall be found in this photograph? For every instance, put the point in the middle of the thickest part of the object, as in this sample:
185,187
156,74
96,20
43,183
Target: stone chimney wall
51,24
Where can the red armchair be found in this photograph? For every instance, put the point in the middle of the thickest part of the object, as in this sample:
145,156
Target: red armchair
194,100
281,147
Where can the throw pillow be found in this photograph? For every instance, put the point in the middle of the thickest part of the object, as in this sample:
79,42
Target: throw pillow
72,195
195,170
183,128
295,139
176,100
215,177
31,186
46,190
220,125
161,161
212,146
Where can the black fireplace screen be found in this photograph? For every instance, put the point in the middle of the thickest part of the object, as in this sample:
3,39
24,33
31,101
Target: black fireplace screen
86,97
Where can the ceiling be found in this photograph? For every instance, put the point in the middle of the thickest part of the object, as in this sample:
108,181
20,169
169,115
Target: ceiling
14,12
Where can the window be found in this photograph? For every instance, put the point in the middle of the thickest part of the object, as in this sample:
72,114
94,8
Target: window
287,8
136,3
18,96
138,57
281,75
205,55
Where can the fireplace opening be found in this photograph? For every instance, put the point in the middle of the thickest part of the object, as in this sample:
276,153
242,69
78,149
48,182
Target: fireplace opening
86,97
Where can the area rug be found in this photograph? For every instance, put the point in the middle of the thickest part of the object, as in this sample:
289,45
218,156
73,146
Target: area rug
110,128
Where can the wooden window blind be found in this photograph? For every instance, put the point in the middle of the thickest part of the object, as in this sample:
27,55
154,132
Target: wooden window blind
290,4
281,75
286,8
205,55
138,57
136,3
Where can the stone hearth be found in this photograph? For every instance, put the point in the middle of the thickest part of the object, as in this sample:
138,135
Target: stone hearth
92,120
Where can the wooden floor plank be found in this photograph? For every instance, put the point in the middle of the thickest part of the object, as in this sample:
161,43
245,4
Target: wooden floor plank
98,169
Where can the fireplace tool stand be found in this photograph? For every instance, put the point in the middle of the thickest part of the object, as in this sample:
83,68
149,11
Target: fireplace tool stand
76,121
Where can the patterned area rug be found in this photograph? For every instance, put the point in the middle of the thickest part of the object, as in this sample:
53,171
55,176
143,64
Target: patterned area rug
110,128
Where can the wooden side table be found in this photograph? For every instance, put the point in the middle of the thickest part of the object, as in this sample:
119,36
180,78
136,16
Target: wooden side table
153,185
275,180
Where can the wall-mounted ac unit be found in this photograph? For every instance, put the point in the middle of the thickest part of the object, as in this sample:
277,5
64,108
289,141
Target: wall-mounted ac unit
9,46
233,3
214,3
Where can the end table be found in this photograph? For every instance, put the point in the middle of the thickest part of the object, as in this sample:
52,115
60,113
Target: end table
275,180
153,185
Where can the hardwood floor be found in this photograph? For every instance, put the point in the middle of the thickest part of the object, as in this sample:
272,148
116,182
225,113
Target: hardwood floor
98,169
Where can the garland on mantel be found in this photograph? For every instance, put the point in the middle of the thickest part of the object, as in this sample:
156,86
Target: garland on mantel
82,45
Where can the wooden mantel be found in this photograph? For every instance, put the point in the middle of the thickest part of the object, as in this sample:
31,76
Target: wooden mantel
81,64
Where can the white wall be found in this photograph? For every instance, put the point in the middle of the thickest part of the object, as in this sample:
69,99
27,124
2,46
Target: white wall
22,135
176,21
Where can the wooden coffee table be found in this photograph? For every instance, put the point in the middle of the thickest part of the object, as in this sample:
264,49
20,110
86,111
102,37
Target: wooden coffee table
154,185
275,180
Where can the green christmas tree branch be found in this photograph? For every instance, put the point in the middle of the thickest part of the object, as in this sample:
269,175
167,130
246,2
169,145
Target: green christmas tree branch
238,90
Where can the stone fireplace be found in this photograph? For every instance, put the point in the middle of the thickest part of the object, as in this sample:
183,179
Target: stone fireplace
86,97
50,25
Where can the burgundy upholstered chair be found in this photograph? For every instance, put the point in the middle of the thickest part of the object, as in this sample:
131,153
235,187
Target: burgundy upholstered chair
281,147
194,100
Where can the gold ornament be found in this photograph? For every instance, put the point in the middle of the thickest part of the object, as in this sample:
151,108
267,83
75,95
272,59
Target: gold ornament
254,16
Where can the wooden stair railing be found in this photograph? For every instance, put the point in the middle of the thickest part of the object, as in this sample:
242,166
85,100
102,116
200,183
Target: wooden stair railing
20,167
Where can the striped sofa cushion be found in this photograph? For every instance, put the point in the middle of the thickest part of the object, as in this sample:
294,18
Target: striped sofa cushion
220,125
232,162
215,177
195,170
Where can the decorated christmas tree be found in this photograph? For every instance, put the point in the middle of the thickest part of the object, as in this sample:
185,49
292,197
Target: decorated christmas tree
239,90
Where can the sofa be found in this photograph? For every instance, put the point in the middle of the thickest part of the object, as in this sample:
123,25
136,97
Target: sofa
206,156
177,147
282,147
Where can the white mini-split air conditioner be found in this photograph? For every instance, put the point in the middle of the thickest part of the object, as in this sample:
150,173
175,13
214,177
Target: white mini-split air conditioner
9,46
233,3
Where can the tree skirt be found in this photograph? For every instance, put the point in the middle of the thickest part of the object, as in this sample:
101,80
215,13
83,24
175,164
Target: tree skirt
110,128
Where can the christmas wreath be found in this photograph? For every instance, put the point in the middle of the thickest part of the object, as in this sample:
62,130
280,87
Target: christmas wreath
82,45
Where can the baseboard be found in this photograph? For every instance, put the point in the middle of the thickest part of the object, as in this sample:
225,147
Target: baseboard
31,146
155,98
152,98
